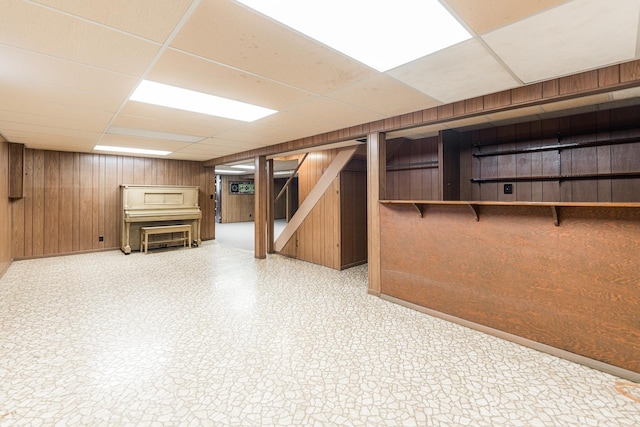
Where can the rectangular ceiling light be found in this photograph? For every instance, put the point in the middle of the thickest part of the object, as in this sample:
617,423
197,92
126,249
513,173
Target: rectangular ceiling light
229,171
380,34
197,102
245,167
128,150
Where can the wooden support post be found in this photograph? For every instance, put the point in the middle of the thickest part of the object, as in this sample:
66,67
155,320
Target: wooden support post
270,207
376,191
260,210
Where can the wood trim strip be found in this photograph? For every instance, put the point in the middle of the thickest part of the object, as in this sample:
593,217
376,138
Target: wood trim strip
340,161
560,89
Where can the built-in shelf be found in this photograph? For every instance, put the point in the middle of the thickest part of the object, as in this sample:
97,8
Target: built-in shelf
412,166
576,177
553,147
560,136
474,206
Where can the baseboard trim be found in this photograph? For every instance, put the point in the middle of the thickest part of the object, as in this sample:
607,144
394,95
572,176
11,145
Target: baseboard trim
563,354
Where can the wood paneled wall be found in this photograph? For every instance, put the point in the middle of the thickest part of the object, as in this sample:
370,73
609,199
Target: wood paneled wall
318,237
594,126
240,207
73,198
235,207
353,210
573,287
334,234
5,212
412,169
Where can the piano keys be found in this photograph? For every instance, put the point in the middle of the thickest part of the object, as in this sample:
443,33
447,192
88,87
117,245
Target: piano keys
156,205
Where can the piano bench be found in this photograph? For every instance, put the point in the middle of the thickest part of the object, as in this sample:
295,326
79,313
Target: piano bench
184,229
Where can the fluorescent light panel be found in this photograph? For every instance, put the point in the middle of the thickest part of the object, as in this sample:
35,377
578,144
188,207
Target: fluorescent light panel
152,134
129,150
197,102
245,167
229,171
381,34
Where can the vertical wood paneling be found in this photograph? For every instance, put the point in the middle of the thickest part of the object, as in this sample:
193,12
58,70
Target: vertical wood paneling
139,171
235,207
96,201
584,160
604,156
17,227
52,202
406,178
550,160
111,202
506,164
99,226
15,170
72,198
76,203
580,129
536,161
38,203
353,217
65,218
86,202
466,160
522,190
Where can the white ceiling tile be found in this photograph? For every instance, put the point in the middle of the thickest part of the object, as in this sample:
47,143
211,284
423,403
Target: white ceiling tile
463,71
18,65
334,112
35,97
384,95
39,29
91,121
152,19
577,36
45,138
486,15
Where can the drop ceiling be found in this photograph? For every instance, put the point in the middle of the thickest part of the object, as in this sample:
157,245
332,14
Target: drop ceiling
68,67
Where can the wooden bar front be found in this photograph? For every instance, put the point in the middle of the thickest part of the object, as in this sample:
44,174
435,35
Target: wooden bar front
574,287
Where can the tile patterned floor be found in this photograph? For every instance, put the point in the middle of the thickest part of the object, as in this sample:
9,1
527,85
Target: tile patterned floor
211,336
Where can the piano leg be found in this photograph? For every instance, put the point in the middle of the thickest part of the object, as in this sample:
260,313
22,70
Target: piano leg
126,247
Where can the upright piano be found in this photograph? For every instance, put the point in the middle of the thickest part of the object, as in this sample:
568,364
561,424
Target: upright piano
156,205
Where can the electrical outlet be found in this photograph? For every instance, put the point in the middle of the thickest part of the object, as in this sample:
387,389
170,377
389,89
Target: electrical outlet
508,189
100,238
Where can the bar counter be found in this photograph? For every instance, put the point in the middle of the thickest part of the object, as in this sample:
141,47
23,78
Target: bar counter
559,277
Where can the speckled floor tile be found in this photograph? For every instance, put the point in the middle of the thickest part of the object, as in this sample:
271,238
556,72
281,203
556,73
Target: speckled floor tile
212,336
